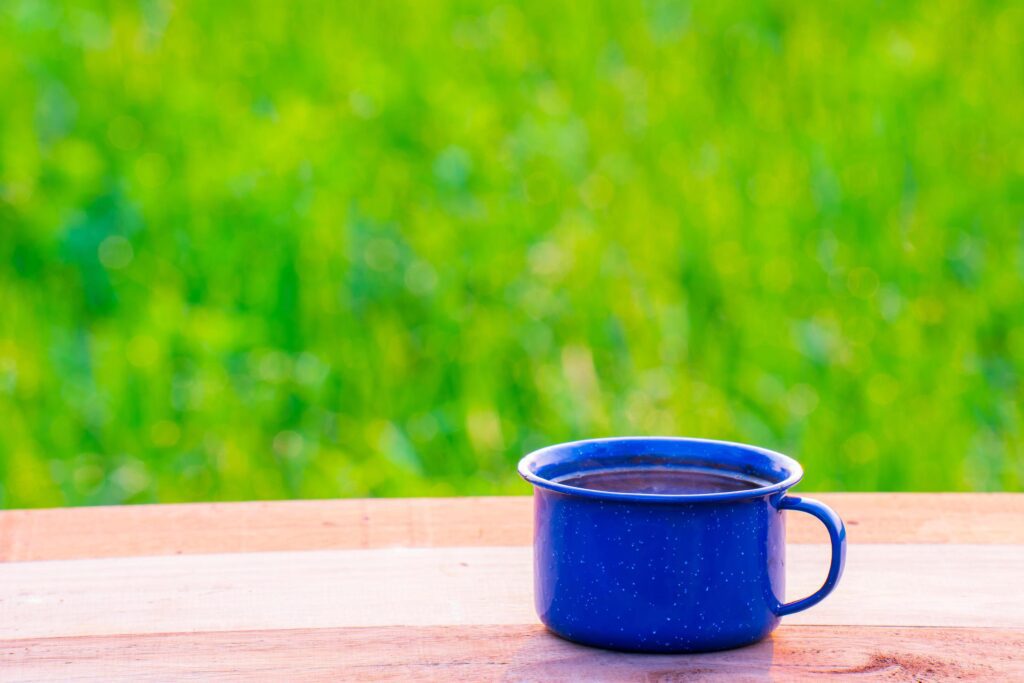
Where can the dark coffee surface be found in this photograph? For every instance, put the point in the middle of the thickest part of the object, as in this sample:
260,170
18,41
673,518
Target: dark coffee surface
662,480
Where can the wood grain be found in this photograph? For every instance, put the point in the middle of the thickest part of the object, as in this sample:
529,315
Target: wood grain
516,653
884,585
68,533
441,588
27,535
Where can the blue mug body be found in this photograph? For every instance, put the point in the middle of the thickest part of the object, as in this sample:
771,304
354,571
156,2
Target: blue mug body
667,573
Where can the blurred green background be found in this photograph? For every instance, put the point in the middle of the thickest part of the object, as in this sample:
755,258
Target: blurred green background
344,249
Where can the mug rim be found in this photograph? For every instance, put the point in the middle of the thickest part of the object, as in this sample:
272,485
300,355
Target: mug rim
796,472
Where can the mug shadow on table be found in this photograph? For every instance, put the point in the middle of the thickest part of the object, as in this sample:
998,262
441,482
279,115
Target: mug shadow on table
545,657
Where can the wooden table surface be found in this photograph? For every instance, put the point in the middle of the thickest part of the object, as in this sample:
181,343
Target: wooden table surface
441,589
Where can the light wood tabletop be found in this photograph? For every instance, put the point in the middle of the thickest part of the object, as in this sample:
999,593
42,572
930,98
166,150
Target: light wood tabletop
441,589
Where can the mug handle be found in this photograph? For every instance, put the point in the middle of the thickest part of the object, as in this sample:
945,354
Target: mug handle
836,532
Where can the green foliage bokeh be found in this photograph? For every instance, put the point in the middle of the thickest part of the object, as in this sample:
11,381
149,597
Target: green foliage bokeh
298,249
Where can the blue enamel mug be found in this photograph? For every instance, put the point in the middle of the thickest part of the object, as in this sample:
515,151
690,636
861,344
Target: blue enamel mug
656,572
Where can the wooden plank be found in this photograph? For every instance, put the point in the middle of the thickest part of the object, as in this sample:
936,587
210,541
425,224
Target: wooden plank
71,533
27,535
885,585
520,653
